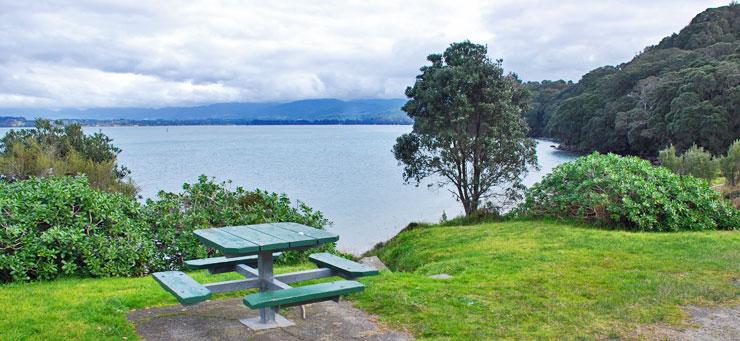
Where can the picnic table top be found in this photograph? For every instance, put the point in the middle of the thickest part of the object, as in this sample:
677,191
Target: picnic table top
250,239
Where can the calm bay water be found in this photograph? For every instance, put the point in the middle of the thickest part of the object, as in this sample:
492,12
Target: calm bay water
347,172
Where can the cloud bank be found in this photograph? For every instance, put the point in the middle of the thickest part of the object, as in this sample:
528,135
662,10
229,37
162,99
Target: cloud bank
83,54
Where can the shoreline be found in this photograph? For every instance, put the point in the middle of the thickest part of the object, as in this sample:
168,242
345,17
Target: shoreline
114,124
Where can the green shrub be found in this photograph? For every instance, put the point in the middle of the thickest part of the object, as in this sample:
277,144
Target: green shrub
730,164
61,226
696,162
628,192
53,149
173,217
700,163
669,159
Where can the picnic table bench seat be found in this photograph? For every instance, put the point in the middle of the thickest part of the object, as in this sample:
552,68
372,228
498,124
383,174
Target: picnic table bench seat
302,295
344,267
216,265
250,250
185,289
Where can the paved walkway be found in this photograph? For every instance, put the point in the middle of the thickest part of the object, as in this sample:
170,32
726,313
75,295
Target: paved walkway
219,320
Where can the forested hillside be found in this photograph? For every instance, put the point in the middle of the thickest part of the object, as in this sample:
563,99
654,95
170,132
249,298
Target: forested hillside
682,91
545,96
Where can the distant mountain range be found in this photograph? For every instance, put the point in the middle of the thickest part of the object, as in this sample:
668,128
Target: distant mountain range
332,111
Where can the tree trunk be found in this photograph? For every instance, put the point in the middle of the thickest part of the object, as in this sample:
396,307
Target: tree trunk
470,206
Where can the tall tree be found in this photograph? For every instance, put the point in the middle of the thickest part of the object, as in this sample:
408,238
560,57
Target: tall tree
468,130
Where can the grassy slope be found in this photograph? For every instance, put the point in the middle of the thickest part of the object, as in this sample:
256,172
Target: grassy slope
515,279
535,279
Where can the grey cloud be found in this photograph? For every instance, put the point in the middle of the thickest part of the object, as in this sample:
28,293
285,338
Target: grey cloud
118,53
565,39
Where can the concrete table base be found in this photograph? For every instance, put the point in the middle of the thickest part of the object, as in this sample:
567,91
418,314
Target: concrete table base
255,324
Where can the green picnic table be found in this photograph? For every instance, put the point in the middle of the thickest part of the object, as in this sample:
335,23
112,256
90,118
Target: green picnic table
250,251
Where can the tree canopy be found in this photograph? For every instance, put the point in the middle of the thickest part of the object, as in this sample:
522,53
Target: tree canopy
468,130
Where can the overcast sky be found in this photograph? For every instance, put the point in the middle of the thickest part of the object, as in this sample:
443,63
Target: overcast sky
84,54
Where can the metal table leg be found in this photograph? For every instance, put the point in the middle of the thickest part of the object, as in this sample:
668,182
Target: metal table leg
264,266
268,316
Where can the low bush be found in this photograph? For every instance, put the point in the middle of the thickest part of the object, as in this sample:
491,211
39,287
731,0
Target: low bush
61,226
206,203
628,192
700,163
53,149
668,158
696,162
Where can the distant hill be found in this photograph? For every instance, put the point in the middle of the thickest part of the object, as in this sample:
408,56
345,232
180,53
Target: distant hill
684,90
366,110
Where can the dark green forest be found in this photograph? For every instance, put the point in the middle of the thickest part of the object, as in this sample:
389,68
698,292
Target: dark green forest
544,97
683,91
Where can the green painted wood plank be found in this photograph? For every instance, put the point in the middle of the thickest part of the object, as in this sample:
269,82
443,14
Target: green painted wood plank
265,242
225,242
207,263
320,235
342,265
184,288
302,294
295,239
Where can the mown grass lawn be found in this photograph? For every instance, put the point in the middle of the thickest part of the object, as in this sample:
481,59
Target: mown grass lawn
519,280
534,279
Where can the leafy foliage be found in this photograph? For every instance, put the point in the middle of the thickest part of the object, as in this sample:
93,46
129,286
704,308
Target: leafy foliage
468,131
684,91
631,193
696,162
60,226
53,149
668,158
173,217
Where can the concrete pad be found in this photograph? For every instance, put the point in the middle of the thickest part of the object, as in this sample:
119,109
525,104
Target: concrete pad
219,320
